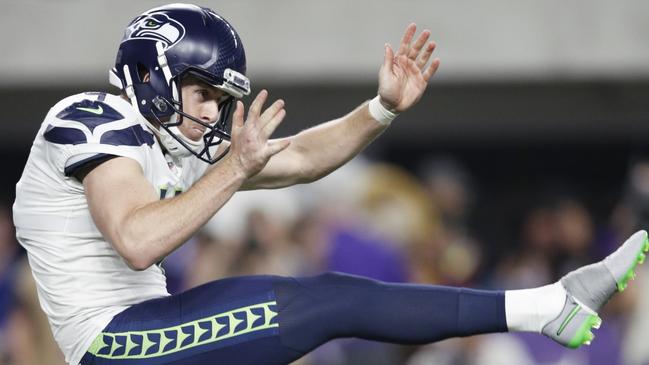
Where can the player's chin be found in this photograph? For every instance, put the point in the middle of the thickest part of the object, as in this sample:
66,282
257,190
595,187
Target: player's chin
195,134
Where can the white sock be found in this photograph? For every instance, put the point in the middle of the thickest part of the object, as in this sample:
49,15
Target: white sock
529,310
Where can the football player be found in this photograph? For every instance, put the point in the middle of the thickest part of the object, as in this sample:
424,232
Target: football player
114,183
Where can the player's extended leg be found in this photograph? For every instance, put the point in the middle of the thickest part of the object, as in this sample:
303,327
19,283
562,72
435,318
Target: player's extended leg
274,320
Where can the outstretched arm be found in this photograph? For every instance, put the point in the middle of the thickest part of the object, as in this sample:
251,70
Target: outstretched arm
317,151
144,229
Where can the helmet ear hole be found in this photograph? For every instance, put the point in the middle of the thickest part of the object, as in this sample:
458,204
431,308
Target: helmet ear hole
143,72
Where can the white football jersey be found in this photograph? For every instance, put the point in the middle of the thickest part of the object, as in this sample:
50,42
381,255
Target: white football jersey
82,281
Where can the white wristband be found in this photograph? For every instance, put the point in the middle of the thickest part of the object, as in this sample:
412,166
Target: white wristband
380,113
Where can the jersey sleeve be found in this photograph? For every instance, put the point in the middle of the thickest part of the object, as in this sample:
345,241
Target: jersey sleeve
87,131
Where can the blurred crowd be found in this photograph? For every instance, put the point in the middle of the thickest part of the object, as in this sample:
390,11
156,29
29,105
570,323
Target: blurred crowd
388,223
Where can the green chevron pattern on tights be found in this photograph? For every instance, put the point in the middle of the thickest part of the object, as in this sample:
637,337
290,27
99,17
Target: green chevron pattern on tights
165,341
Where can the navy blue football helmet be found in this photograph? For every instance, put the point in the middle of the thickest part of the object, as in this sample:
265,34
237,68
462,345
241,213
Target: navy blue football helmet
169,43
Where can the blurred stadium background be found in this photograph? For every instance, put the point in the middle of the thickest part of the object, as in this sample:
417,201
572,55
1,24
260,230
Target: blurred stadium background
525,158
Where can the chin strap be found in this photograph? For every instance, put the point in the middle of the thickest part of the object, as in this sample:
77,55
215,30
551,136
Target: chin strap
168,138
172,145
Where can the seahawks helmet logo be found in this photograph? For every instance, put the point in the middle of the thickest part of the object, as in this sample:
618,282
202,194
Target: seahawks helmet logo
155,26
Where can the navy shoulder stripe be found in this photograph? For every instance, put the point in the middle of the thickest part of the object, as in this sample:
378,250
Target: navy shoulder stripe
90,113
96,160
61,135
132,136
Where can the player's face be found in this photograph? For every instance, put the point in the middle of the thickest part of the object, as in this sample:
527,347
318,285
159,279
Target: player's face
201,101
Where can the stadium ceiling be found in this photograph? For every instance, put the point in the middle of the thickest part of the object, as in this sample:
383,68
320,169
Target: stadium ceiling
71,42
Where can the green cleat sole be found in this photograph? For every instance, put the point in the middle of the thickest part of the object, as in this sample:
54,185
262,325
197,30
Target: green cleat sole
584,335
630,274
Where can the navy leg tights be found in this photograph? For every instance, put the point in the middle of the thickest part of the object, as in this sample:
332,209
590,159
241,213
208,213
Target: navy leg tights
275,320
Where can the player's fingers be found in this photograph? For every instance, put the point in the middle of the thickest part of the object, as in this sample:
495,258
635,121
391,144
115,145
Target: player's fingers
278,145
237,117
270,127
257,104
419,44
412,67
404,47
402,62
388,58
270,112
430,71
424,57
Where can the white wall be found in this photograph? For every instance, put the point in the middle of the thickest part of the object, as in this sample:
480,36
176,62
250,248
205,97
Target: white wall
297,40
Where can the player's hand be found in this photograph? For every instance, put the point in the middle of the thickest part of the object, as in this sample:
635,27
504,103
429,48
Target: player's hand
403,76
250,147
